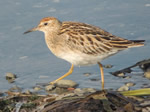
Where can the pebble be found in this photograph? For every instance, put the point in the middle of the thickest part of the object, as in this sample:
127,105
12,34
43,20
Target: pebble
120,74
145,103
108,66
94,79
127,77
66,84
49,87
15,89
37,88
49,99
146,109
65,95
87,74
123,88
147,74
146,86
79,91
11,80
129,84
145,66
28,92
89,90
59,90
10,75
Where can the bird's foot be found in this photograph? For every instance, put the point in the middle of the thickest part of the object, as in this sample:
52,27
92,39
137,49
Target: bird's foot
52,83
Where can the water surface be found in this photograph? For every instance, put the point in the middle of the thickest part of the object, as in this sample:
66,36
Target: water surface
29,58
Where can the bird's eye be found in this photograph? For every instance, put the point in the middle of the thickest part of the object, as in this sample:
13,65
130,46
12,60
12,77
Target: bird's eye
45,24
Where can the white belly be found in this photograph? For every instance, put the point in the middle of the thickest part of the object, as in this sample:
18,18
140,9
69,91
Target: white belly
80,59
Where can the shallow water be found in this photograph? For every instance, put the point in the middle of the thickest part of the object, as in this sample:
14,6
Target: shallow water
29,58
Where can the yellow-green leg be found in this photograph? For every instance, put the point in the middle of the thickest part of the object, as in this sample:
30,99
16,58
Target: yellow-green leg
65,75
102,74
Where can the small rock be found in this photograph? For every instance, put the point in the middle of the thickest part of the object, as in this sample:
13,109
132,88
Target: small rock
94,79
145,66
147,74
146,86
123,88
127,77
129,84
146,109
11,80
49,99
89,90
87,74
145,103
121,74
59,90
79,91
15,89
49,87
108,66
66,84
65,96
10,77
37,88
28,92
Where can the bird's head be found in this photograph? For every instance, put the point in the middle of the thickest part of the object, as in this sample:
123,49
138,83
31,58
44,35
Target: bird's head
46,24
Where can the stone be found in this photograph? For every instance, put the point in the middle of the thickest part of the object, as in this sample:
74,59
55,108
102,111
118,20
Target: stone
146,86
121,74
15,89
79,91
89,90
129,84
146,109
28,92
94,79
37,88
87,74
66,84
147,74
10,75
108,66
123,88
127,77
59,90
65,96
145,103
49,87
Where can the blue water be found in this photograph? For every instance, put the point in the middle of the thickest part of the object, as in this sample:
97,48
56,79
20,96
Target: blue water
29,58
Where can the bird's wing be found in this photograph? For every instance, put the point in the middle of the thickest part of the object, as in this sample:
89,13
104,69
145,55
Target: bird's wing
91,39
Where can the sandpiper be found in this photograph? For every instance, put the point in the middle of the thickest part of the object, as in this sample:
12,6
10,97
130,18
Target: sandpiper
81,44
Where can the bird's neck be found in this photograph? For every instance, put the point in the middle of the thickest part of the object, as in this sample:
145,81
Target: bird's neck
53,42
50,37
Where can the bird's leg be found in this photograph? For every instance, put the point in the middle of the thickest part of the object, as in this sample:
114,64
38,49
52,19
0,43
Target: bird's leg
65,75
102,74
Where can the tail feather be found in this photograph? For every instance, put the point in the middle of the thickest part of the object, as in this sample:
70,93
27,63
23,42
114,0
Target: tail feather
122,44
137,43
